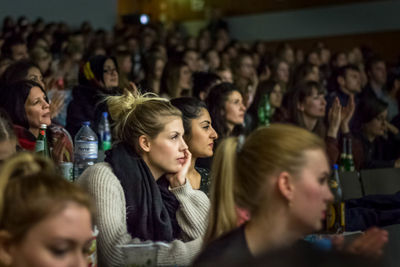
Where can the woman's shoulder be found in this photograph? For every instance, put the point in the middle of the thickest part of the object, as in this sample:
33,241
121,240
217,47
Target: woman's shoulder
100,173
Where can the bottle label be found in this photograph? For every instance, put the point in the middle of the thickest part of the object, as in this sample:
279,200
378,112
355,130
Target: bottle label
330,217
86,149
39,145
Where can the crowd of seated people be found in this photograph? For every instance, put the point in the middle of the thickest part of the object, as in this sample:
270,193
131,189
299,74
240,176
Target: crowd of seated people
192,163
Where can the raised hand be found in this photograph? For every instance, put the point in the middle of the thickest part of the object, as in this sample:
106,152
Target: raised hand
347,114
334,118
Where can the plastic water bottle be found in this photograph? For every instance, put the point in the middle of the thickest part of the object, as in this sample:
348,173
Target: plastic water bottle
86,149
104,132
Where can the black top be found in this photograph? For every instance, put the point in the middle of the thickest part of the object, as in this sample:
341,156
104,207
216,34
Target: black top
205,181
230,248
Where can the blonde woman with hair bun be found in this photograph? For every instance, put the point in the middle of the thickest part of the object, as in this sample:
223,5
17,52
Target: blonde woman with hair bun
46,221
141,191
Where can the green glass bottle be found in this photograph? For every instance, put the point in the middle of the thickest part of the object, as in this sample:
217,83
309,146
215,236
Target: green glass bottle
264,111
343,156
349,158
42,147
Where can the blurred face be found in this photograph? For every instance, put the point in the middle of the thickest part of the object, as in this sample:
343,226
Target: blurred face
7,148
311,193
289,55
341,60
234,109
60,240
191,58
35,75
314,105
166,153
185,78
313,75
202,137
159,68
313,58
378,73
19,52
126,64
110,74
44,63
352,81
283,72
275,97
213,59
226,76
37,109
377,126
247,68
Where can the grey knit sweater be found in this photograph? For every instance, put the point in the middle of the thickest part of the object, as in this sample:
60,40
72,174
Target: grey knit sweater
106,190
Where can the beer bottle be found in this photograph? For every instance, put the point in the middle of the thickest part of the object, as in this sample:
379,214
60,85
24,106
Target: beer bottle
41,146
264,111
343,156
335,217
349,158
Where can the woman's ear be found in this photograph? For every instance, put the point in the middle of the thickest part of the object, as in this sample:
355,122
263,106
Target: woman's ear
144,143
286,185
5,248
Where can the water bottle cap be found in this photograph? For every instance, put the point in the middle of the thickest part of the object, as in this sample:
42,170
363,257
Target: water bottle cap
86,123
105,114
43,126
335,167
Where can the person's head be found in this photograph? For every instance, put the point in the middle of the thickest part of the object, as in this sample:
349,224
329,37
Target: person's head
376,71
225,104
101,71
281,71
307,100
243,67
124,61
22,70
339,60
8,140
27,104
202,83
212,59
176,78
274,92
42,58
47,220
191,58
313,58
199,133
307,72
371,116
280,169
152,127
349,79
285,53
154,66
15,48
225,74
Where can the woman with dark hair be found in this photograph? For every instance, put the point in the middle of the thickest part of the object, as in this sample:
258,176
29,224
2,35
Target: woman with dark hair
98,78
203,82
176,79
28,107
199,136
371,148
226,107
153,65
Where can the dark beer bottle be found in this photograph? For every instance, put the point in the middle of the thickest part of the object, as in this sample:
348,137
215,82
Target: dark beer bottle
335,217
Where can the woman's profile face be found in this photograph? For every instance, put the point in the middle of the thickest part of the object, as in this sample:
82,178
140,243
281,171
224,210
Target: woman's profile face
314,106
202,136
234,109
37,109
167,150
110,74
282,72
63,239
311,193
159,68
275,97
185,78
377,126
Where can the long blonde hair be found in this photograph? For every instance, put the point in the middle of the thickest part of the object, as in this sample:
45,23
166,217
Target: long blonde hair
135,115
239,171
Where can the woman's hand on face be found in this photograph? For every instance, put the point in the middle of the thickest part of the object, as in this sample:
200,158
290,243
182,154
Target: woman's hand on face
370,244
334,118
179,178
132,88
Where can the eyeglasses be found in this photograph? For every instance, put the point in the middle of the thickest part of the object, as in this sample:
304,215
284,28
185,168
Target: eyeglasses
109,71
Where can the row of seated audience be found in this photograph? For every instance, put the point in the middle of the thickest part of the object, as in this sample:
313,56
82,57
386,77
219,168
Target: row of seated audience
267,190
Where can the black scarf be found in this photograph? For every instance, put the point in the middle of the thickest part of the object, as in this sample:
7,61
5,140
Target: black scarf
150,207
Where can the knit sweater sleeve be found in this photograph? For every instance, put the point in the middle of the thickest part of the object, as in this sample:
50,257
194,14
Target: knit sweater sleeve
193,211
109,198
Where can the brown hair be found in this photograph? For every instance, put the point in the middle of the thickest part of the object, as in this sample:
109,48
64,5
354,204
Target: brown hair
137,115
33,192
239,174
